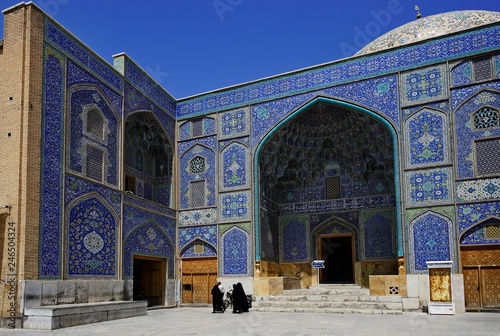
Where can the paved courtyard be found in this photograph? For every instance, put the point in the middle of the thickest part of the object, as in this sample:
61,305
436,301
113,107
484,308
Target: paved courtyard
200,321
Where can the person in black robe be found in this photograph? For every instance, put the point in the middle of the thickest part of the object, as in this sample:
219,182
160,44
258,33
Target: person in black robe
216,299
244,303
236,297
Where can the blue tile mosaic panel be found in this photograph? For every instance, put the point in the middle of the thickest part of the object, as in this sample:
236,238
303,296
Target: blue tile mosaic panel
461,74
426,137
477,234
207,250
269,236
91,239
443,106
82,55
149,205
208,175
429,187
379,94
472,214
235,206
145,84
134,216
459,96
379,232
82,98
210,142
76,187
234,123
464,127
134,100
294,236
147,239
234,167
198,217
76,75
351,217
431,239
353,69
478,190
206,233
424,85
235,252
51,177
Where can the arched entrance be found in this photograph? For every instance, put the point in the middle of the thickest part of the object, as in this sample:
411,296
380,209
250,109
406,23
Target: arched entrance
328,160
479,256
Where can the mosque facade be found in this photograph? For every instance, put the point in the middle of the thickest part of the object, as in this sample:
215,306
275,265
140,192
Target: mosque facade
112,190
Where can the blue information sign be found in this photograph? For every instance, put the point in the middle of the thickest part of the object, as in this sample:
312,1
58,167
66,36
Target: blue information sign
318,264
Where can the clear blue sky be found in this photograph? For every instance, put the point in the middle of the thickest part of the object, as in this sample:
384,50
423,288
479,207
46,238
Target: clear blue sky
194,46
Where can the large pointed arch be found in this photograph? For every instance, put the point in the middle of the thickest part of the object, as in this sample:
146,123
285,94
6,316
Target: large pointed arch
349,106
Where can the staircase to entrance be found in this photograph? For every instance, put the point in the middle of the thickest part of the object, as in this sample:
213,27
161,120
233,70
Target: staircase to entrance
329,298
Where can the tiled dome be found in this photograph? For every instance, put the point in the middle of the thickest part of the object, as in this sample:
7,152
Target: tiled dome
429,27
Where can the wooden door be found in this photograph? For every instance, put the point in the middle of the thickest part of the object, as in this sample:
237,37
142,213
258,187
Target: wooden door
481,269
198,278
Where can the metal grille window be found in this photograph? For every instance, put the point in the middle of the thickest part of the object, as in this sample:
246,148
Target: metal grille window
197,127
95,123
332,187
197,194
94,163
198,248
197,165
482,69
485,118
492,232
487,157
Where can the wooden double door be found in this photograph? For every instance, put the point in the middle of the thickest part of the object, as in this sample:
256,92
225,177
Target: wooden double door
198,278
481,270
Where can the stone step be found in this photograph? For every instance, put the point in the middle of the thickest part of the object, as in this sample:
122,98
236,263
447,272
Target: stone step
336,291
329,305
333,298
328,310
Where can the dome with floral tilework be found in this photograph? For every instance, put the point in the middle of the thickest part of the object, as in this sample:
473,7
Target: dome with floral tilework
430,27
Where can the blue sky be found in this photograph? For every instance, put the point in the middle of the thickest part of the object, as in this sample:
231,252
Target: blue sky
194,46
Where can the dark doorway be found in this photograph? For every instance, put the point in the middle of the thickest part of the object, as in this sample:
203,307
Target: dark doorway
149,280
337,251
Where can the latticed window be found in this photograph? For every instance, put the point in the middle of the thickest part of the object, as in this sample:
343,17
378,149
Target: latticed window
487,157
482,69
197,194
485,118
94,163
197,165
197,127
198,248
95,123
332,187
492,231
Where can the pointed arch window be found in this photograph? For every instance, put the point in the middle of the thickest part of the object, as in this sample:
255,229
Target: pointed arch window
197,165
486,117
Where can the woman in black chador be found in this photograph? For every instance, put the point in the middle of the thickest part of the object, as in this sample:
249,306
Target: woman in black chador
216,299
236,297
244,303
